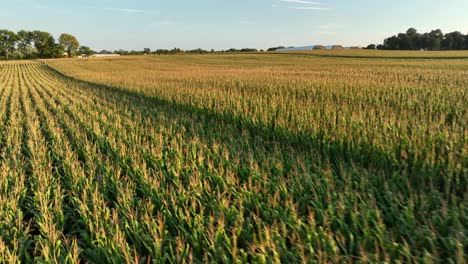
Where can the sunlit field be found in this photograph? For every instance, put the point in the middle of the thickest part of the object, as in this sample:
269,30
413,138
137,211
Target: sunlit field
300,157
385,54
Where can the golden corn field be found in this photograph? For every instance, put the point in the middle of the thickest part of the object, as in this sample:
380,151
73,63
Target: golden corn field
245,158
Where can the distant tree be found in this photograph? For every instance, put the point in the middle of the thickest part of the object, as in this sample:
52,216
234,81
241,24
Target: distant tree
85,50
24,46
434,40
16,55
45,45
425,41
436,37
454,41
122,52
249,50
105,52
7,42
147,50
466,41
137,52
162,51
404,42
412,32
392,43
371,47
197,51
175,51
69,43
275,48
412,37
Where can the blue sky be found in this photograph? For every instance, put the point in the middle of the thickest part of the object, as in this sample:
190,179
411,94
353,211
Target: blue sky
223,24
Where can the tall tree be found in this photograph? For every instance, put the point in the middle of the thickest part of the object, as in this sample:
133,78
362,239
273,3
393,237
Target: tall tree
412,37
45,44
404,41
24,44
85,50
466,41
392,43
7,42
24,39
436,37
434,40
69,43
425,41
454,41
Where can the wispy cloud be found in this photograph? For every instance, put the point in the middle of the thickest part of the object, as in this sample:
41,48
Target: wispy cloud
301,2
301,5
308,8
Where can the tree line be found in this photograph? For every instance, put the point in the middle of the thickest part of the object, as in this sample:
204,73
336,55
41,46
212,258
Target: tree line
434,40
42,45
198,51
38,44
176,51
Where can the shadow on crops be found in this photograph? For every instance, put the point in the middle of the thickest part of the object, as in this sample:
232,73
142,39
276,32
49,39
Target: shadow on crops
391,182
404,176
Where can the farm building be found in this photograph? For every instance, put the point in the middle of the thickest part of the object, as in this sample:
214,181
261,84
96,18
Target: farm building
314,47
337,47
319,47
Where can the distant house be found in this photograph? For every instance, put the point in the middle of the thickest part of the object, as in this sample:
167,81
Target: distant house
105,55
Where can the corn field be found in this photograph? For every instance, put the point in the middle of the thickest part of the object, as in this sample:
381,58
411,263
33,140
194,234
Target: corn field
255,158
